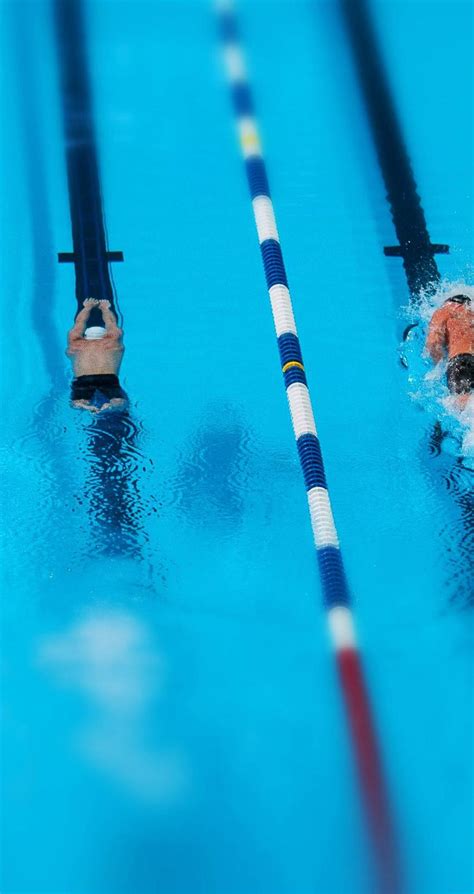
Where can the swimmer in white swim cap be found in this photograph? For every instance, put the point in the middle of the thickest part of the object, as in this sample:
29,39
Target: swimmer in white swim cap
96,354
94,332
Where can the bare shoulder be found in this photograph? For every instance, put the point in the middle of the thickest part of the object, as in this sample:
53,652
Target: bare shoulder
114,338
440,315
74,335
73,344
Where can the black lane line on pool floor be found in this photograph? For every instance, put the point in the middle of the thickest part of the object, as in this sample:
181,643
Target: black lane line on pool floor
115,506
415,246
90,256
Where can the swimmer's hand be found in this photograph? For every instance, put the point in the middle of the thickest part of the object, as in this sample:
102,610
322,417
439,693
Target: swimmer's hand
103,303
91,302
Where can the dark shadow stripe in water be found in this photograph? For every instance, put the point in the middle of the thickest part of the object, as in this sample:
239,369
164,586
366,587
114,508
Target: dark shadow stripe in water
90,255
415,246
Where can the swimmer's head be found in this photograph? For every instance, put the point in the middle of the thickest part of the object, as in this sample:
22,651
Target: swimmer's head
459,299
94,332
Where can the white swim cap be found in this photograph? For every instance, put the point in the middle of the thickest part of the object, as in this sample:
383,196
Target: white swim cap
94,332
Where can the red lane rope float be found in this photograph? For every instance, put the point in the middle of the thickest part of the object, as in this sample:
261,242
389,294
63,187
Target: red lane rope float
335,589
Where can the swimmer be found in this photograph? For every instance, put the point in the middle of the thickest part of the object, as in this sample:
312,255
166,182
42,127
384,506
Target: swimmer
96,353
451,331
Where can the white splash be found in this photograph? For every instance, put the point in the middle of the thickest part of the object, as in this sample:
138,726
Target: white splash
427,383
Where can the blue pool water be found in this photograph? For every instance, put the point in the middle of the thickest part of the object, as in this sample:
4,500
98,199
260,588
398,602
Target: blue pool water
172,719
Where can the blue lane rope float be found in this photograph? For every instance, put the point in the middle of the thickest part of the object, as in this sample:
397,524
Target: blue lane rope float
333,579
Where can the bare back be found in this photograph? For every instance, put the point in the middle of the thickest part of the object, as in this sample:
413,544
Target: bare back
452,330
101,356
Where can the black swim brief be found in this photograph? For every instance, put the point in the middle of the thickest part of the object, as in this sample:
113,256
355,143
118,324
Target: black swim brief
460,374
84,387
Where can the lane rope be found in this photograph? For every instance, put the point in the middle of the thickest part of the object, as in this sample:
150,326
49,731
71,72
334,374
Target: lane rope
333,579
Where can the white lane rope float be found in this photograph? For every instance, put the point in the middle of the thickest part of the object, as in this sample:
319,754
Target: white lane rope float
333,579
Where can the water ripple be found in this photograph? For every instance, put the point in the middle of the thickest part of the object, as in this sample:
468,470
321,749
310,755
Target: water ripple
213,469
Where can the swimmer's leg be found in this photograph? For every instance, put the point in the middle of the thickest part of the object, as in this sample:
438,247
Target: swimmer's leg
116,404
84,405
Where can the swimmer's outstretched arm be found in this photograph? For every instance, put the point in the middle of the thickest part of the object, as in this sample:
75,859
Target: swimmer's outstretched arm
77,330
110,320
